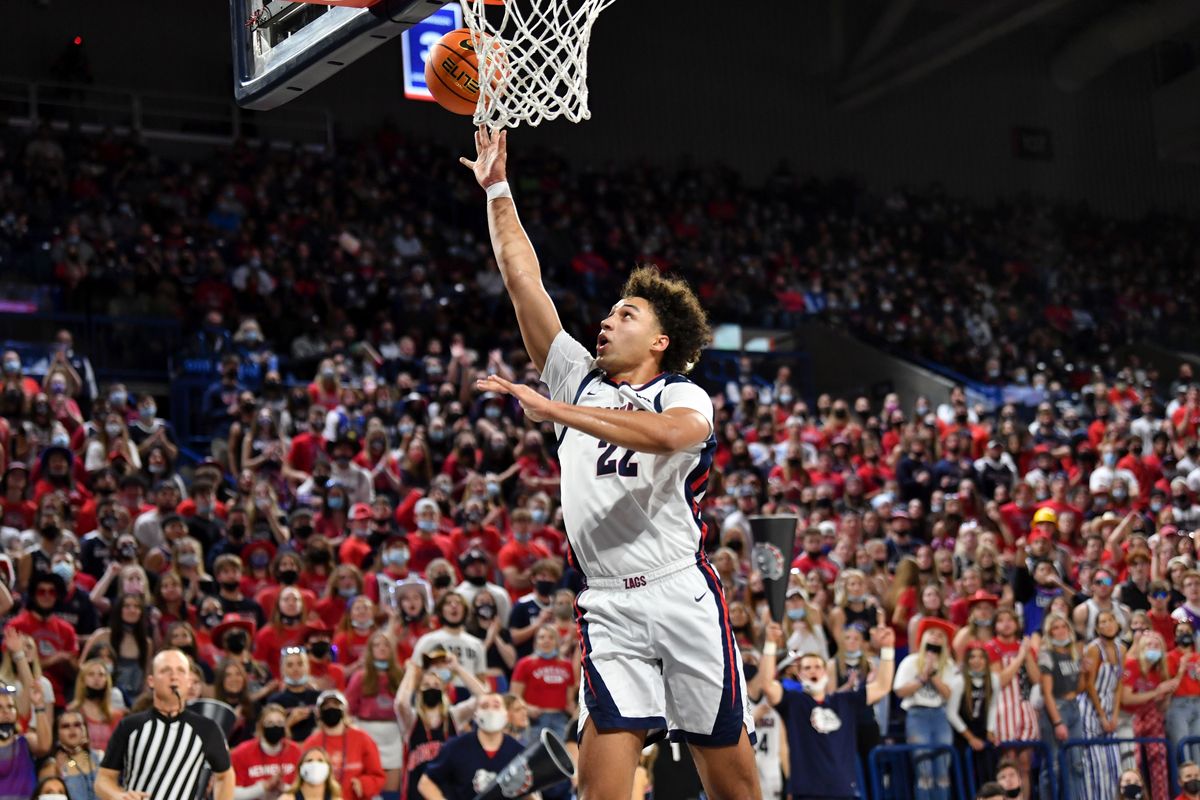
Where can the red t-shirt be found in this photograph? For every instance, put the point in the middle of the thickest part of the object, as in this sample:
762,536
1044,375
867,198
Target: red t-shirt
1189,678
327,669
486,537
547,681
1139,682
302,455
251,764
351,755
522,556
354,551
350,645
268,596
53,635
330,609
17,514
422,551
269,641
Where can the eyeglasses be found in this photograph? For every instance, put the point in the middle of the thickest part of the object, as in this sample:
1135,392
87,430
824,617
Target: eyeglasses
1102,582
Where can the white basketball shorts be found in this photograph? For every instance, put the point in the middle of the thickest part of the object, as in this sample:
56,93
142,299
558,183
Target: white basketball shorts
658,654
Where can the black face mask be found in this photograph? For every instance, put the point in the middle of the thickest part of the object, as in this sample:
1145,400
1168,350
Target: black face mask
1014,792
319,649
486,612
1191,787
1185,640
7,729
230,586
51,531
288,576
1131,791
96,694
289,619
331,716
447,623
431,697
476,580
236,642
441,581
933,649
319,556
211,620
544,588
273,734
302,531
237,531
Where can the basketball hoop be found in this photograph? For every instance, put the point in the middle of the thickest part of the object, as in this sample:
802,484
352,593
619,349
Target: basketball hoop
535,68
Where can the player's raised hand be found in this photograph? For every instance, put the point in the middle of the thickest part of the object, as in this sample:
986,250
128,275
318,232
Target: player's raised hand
536,406
491,157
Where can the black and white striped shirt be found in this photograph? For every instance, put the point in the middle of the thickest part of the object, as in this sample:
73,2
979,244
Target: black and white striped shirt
165,756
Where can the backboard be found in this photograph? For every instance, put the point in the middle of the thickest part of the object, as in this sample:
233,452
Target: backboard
282,49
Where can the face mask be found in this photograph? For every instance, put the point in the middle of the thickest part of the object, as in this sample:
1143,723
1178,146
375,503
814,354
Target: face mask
492,721
853,655
395,557
211,620
431,697
933,649
348,594
113,430
188,560
289,620
65,571
334,502
237,531
288,576
1192,786
492,412
361,624
301,681
319,649
427,525
361,531
302,531
380,664
236,642
148,412
486,612
1015,792
330,717
984,622
7,729
544,588
493,489
796,614
520,538
52,797
547,654
1131,791
443,674
11,366
476,580
230,586
538,515
1156,506
813,687
1152,655
273,734
1061,642
1119,494
441,581
314,772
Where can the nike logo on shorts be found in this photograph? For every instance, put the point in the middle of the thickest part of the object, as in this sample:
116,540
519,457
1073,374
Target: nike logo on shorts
698,598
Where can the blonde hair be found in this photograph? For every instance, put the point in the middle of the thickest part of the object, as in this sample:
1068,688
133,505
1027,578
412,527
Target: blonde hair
1138,651
332,788
943,658
105,702
1056,617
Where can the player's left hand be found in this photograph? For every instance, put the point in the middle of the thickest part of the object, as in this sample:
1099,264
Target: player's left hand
536,406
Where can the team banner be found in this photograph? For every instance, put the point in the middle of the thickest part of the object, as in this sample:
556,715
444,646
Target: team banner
774,542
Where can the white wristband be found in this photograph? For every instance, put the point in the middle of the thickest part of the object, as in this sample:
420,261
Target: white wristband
498,190
887,654
770,649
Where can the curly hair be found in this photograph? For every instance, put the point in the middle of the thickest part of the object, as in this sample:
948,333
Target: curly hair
679,313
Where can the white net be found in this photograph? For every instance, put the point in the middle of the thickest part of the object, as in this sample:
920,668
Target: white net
532,59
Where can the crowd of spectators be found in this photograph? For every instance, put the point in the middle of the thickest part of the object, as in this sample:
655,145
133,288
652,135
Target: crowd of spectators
367,550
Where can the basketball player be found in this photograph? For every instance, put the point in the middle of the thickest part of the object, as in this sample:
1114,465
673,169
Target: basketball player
635,443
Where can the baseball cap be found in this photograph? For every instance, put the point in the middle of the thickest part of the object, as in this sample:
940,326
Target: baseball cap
425,504
474,555
360,511
331,694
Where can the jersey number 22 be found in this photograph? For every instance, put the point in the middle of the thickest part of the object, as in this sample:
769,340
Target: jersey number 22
615,460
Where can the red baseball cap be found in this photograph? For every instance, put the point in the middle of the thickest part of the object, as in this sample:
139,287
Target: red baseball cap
360,511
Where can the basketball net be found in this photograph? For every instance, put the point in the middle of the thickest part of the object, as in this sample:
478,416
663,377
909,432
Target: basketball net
533,60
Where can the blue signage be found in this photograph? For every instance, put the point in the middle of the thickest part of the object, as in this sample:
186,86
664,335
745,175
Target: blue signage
417,42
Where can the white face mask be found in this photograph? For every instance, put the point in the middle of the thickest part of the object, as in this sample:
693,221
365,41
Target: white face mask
52,797
314,772
815,687
491,721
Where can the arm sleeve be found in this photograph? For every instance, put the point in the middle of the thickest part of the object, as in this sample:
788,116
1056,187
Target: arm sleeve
955,703
216,751
567,362
114,756
906,672
685,394
372,777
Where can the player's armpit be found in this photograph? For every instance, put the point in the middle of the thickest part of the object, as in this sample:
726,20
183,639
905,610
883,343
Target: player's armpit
518,262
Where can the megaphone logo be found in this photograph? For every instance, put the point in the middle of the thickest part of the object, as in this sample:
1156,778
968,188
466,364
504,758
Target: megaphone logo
769,560
544,763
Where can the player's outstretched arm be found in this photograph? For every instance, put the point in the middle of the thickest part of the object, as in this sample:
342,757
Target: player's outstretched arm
515,255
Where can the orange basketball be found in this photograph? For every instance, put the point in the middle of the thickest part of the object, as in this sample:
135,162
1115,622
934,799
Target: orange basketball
452,72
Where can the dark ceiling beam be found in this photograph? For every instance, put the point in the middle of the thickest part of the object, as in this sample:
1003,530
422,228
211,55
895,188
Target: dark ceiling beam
988,22
886,26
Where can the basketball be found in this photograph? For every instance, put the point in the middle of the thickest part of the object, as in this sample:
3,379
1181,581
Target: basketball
452,72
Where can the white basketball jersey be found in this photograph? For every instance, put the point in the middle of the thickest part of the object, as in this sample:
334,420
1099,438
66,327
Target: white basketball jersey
768,731
625,512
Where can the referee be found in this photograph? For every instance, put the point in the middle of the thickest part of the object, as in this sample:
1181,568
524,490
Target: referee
160,754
